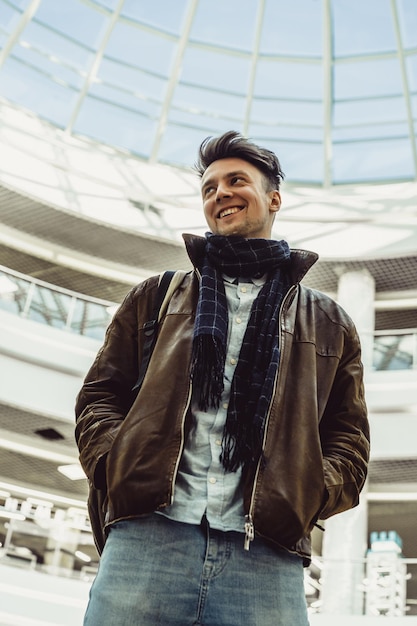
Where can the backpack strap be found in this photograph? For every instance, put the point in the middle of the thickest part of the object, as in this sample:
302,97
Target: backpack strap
168,282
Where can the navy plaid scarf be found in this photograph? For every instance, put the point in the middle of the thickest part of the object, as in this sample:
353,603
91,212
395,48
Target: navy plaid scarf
253,381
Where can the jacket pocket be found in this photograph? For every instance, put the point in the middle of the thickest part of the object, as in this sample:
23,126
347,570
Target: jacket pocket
97,506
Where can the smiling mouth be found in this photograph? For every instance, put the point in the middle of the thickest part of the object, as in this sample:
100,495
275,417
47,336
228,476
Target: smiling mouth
229,211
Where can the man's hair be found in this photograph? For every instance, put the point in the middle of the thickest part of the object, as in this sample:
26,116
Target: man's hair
234,145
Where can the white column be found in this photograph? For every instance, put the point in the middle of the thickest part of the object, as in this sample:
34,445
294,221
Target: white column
345,537
356,294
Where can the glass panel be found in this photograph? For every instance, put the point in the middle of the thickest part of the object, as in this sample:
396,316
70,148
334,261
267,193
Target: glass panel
234,23
53,308
108,4
365,79
180,145
407,10
364,161
19,4
411,65
362,27
74,19
167,16
13,293
301,162
286,80
190,98
116,126
210,68
286,132
209,124
369,111
125,99
292,112
25,86
132,78
394,352
292,28
49,67
152,52
9,17
38,36
90,319
49,307
374,131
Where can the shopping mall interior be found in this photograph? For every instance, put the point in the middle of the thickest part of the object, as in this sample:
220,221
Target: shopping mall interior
103,105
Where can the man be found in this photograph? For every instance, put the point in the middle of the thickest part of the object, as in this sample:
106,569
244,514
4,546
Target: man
250,424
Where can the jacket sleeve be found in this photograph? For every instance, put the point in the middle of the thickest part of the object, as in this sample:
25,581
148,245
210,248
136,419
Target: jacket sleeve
106,394
344,432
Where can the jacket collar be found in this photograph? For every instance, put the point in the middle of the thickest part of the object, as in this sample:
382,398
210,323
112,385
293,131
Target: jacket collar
301,260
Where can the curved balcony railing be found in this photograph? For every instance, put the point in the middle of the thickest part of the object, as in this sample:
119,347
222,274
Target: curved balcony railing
41,302
73,312
395,350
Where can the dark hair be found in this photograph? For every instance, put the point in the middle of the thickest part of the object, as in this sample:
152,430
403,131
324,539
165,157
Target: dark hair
234,145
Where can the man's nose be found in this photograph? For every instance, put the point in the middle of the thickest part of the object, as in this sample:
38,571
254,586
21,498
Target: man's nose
222,192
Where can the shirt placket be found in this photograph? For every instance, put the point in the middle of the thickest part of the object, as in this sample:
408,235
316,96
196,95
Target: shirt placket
219,482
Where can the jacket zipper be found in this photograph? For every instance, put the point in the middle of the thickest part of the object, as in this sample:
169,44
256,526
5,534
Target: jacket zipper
177,463
249,524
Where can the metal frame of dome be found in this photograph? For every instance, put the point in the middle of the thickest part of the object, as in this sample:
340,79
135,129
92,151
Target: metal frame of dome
331,86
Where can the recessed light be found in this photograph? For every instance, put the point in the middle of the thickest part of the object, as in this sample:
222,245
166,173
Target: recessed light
73,471
49,433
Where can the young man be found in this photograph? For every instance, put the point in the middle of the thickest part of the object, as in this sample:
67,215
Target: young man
250,424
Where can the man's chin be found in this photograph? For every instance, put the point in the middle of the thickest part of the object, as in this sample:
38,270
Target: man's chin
230,230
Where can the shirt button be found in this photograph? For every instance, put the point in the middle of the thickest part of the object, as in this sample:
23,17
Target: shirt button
232,361
243,289
218,442
212,480
225,405
238,320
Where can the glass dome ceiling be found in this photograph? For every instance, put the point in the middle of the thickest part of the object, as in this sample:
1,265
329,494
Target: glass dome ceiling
330,86
103,104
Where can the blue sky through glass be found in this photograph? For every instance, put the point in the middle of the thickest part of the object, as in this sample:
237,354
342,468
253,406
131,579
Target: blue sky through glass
160,76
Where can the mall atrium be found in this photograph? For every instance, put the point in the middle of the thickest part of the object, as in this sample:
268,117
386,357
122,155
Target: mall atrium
103,104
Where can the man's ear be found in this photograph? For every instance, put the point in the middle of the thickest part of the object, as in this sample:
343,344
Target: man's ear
275,201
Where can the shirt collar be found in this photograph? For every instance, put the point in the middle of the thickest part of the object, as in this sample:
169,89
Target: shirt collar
261,280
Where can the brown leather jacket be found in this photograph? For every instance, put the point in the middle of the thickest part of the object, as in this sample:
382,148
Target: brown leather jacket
316,442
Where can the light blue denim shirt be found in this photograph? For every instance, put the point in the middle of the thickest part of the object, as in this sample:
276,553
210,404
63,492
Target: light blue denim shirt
202,485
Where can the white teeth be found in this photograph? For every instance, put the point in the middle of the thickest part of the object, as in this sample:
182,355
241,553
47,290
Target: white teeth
229,212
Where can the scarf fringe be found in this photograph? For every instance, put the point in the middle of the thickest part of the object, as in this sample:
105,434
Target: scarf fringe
238,448
208,371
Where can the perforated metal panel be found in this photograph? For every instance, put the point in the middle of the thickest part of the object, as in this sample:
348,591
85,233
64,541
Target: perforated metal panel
393,471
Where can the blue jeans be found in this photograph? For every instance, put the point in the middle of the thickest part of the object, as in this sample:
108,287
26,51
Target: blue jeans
157,571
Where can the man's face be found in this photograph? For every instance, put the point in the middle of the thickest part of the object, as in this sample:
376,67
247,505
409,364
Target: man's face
235,201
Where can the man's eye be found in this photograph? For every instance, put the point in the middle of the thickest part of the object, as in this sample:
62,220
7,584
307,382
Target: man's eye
208,191
236,179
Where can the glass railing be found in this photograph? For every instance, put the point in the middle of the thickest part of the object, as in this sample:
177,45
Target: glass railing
384,586
41,302
395,350
73,312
